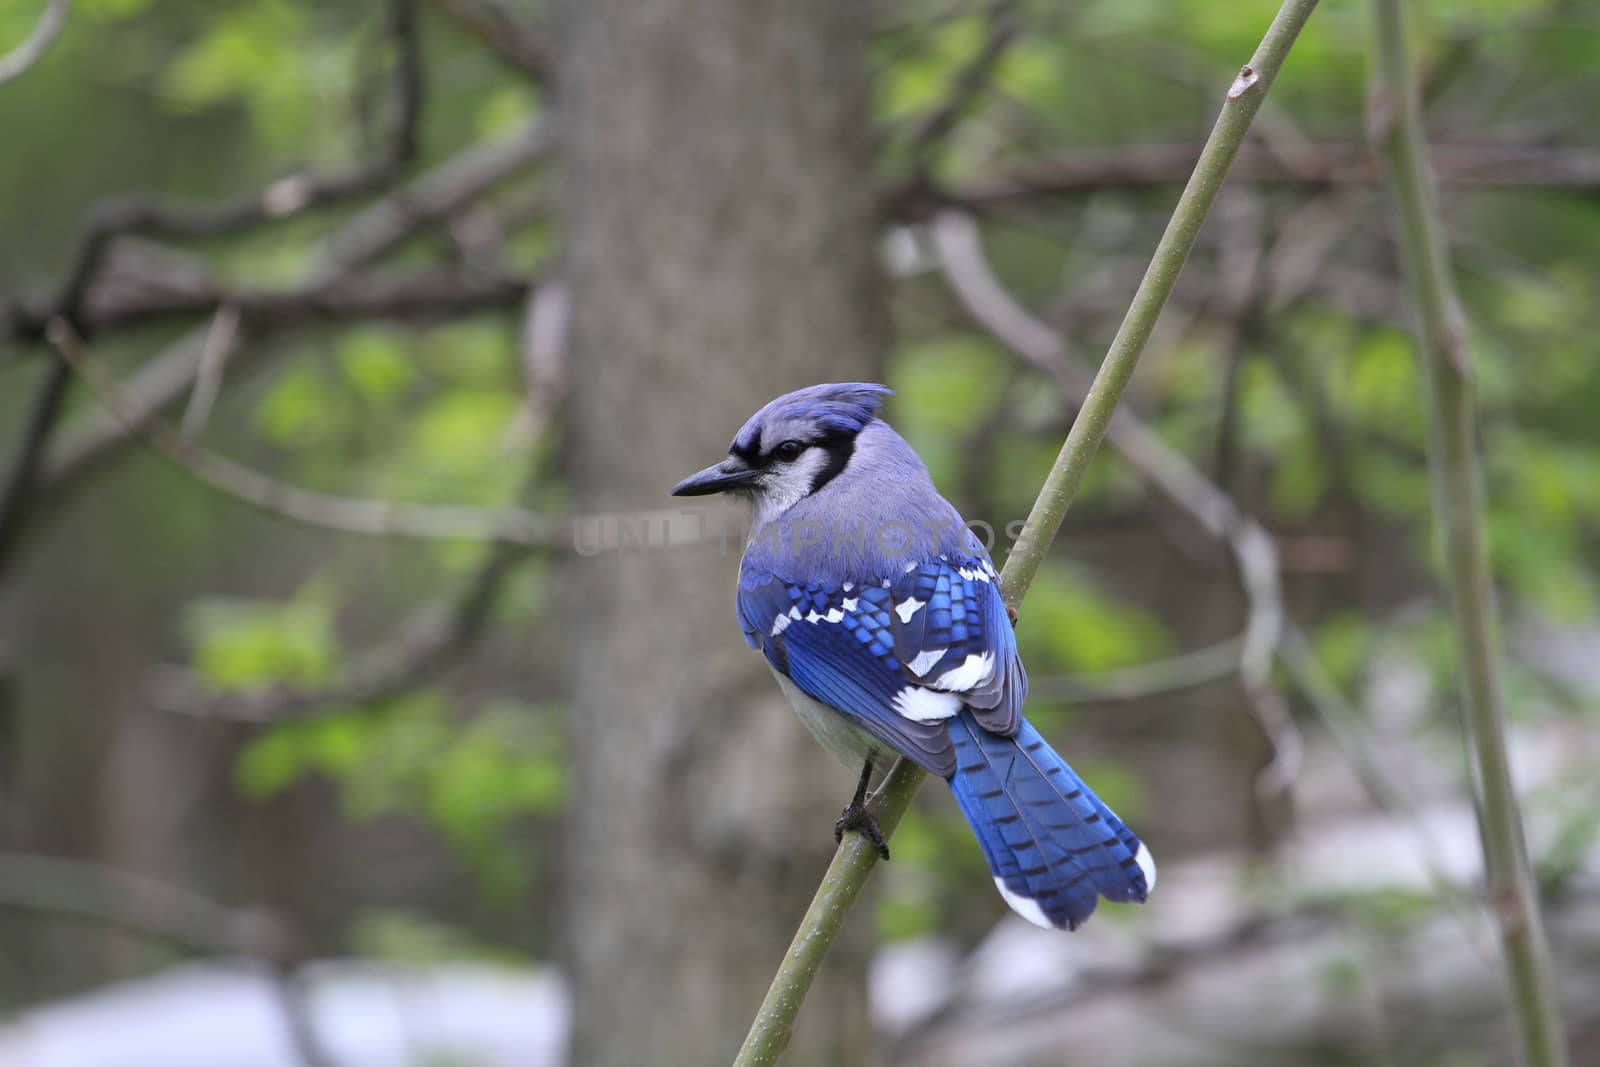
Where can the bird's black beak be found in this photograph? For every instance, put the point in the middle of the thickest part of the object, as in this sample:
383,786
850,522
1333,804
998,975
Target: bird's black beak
731,473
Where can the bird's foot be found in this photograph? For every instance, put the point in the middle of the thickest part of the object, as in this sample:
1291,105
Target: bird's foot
857,817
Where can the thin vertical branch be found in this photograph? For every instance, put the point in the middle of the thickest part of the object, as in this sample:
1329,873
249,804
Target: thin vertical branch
1459,506
16,489
1089,428
774,1023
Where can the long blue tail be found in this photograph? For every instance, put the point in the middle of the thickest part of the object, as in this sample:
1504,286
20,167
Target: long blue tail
1053,847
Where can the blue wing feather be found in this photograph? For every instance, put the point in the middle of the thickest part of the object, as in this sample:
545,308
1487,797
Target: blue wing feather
1051,844
848,663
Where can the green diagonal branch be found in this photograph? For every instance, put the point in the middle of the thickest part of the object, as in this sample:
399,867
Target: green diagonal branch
1458,505
847,874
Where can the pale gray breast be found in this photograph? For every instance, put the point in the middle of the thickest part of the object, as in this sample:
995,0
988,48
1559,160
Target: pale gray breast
850,744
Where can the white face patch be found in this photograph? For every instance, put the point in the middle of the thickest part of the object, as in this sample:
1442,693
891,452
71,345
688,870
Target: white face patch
925,660
786,484
977,669
925,705
908,607
1023,906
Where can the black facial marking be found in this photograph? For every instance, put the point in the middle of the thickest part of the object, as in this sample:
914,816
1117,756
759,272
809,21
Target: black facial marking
750,452
839,446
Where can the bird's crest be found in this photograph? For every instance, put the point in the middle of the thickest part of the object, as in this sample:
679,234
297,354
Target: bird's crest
834,407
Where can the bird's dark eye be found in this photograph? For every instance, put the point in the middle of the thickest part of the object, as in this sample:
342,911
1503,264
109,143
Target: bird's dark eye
789,451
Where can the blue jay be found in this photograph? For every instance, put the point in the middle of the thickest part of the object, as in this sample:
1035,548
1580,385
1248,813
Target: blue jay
880,615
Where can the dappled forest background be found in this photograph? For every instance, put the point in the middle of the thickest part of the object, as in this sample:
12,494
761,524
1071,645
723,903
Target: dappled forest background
364,700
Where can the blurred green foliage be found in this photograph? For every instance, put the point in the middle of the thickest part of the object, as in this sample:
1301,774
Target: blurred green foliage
473,774
245,645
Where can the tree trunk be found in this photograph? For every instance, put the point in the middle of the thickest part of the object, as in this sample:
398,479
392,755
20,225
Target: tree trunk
720,244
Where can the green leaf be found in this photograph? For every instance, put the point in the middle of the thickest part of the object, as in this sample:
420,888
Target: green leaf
250,644
376,363
1344,646
507,107
301,410
943,387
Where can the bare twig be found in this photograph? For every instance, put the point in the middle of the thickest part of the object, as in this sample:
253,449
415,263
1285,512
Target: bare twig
968,86
22,472
1344,723
447,189
508,525
545,321
284,198
423,294
92,892
1458,504
140,905
208,376
330,291
433,638
17,61
96,435
72,303
1269,634
1316,164
956,237
294,1000
1187,670
847,874
505,35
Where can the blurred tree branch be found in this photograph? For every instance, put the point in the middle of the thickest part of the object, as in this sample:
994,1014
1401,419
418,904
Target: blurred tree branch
1186,670
432,639
956,239
421,294
284,198
1269,634
139,905
76,889
124,216
1457,479
435,195
1312,164
774,1023
380,518
22,470
503,33
966,88
162,381
52,20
